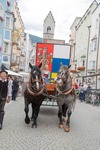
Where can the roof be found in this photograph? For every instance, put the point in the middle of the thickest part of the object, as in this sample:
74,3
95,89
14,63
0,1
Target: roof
49,15
35,39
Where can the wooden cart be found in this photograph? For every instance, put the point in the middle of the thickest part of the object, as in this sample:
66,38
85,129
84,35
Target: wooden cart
51,90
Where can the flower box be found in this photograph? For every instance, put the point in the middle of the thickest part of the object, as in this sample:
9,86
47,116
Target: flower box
82,68
73,71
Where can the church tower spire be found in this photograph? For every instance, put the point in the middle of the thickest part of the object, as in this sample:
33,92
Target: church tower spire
49,26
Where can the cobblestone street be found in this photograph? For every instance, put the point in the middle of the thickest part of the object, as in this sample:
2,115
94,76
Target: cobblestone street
84,134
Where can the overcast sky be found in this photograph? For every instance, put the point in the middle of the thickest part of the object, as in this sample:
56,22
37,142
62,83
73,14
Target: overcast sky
33,13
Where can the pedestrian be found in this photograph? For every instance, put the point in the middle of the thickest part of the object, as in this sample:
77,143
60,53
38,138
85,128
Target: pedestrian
85,89
3,95
81,93
46,74
15,88
10,85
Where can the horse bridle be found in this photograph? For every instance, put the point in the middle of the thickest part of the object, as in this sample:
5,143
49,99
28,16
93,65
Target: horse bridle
30,89
64,91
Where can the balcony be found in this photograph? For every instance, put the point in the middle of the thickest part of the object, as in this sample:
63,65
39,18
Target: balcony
14,63
14,43
81,68
91,70
74,71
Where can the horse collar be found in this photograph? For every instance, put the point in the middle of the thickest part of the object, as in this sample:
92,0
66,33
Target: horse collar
62,92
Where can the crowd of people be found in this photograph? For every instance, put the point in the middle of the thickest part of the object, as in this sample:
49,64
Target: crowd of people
9,87
83,89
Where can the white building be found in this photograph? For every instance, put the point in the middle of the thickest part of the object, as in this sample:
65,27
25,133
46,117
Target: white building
94,47
82,39
72,39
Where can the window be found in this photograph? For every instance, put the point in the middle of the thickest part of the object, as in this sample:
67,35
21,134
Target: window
7,22
17,59
75,66
6,47
48,28
93,46
7,35
83,63
96,23
13,57
92,64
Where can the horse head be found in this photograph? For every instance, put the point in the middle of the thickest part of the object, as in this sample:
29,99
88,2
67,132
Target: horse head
35,77
63,74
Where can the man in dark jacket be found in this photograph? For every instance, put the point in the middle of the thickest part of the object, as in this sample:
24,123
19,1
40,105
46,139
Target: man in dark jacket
3,94
15,88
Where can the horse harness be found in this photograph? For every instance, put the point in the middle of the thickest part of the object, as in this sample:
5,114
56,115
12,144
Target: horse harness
30,91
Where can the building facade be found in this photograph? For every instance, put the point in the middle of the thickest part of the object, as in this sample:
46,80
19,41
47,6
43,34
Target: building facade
72,40
6,26
28,51
18,48
94,48
82,40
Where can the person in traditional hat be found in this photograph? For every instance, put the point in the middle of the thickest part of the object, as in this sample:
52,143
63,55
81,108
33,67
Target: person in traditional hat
3,95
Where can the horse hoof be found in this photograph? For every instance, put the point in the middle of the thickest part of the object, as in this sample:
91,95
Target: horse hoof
61,126
66,129
27,120
34,125
64,119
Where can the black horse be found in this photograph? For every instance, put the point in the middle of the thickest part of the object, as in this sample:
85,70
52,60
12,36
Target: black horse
34,94
66,96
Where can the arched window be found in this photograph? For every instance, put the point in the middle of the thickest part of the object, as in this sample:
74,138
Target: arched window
48,28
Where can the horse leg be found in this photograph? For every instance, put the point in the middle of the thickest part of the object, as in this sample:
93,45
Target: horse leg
67,127
27,119
32,117
60,118
36,112
64,110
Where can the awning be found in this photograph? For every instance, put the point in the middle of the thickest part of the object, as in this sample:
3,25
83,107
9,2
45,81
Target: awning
24,74
13,73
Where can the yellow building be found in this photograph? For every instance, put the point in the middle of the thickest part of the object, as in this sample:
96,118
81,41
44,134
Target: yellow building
18,54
